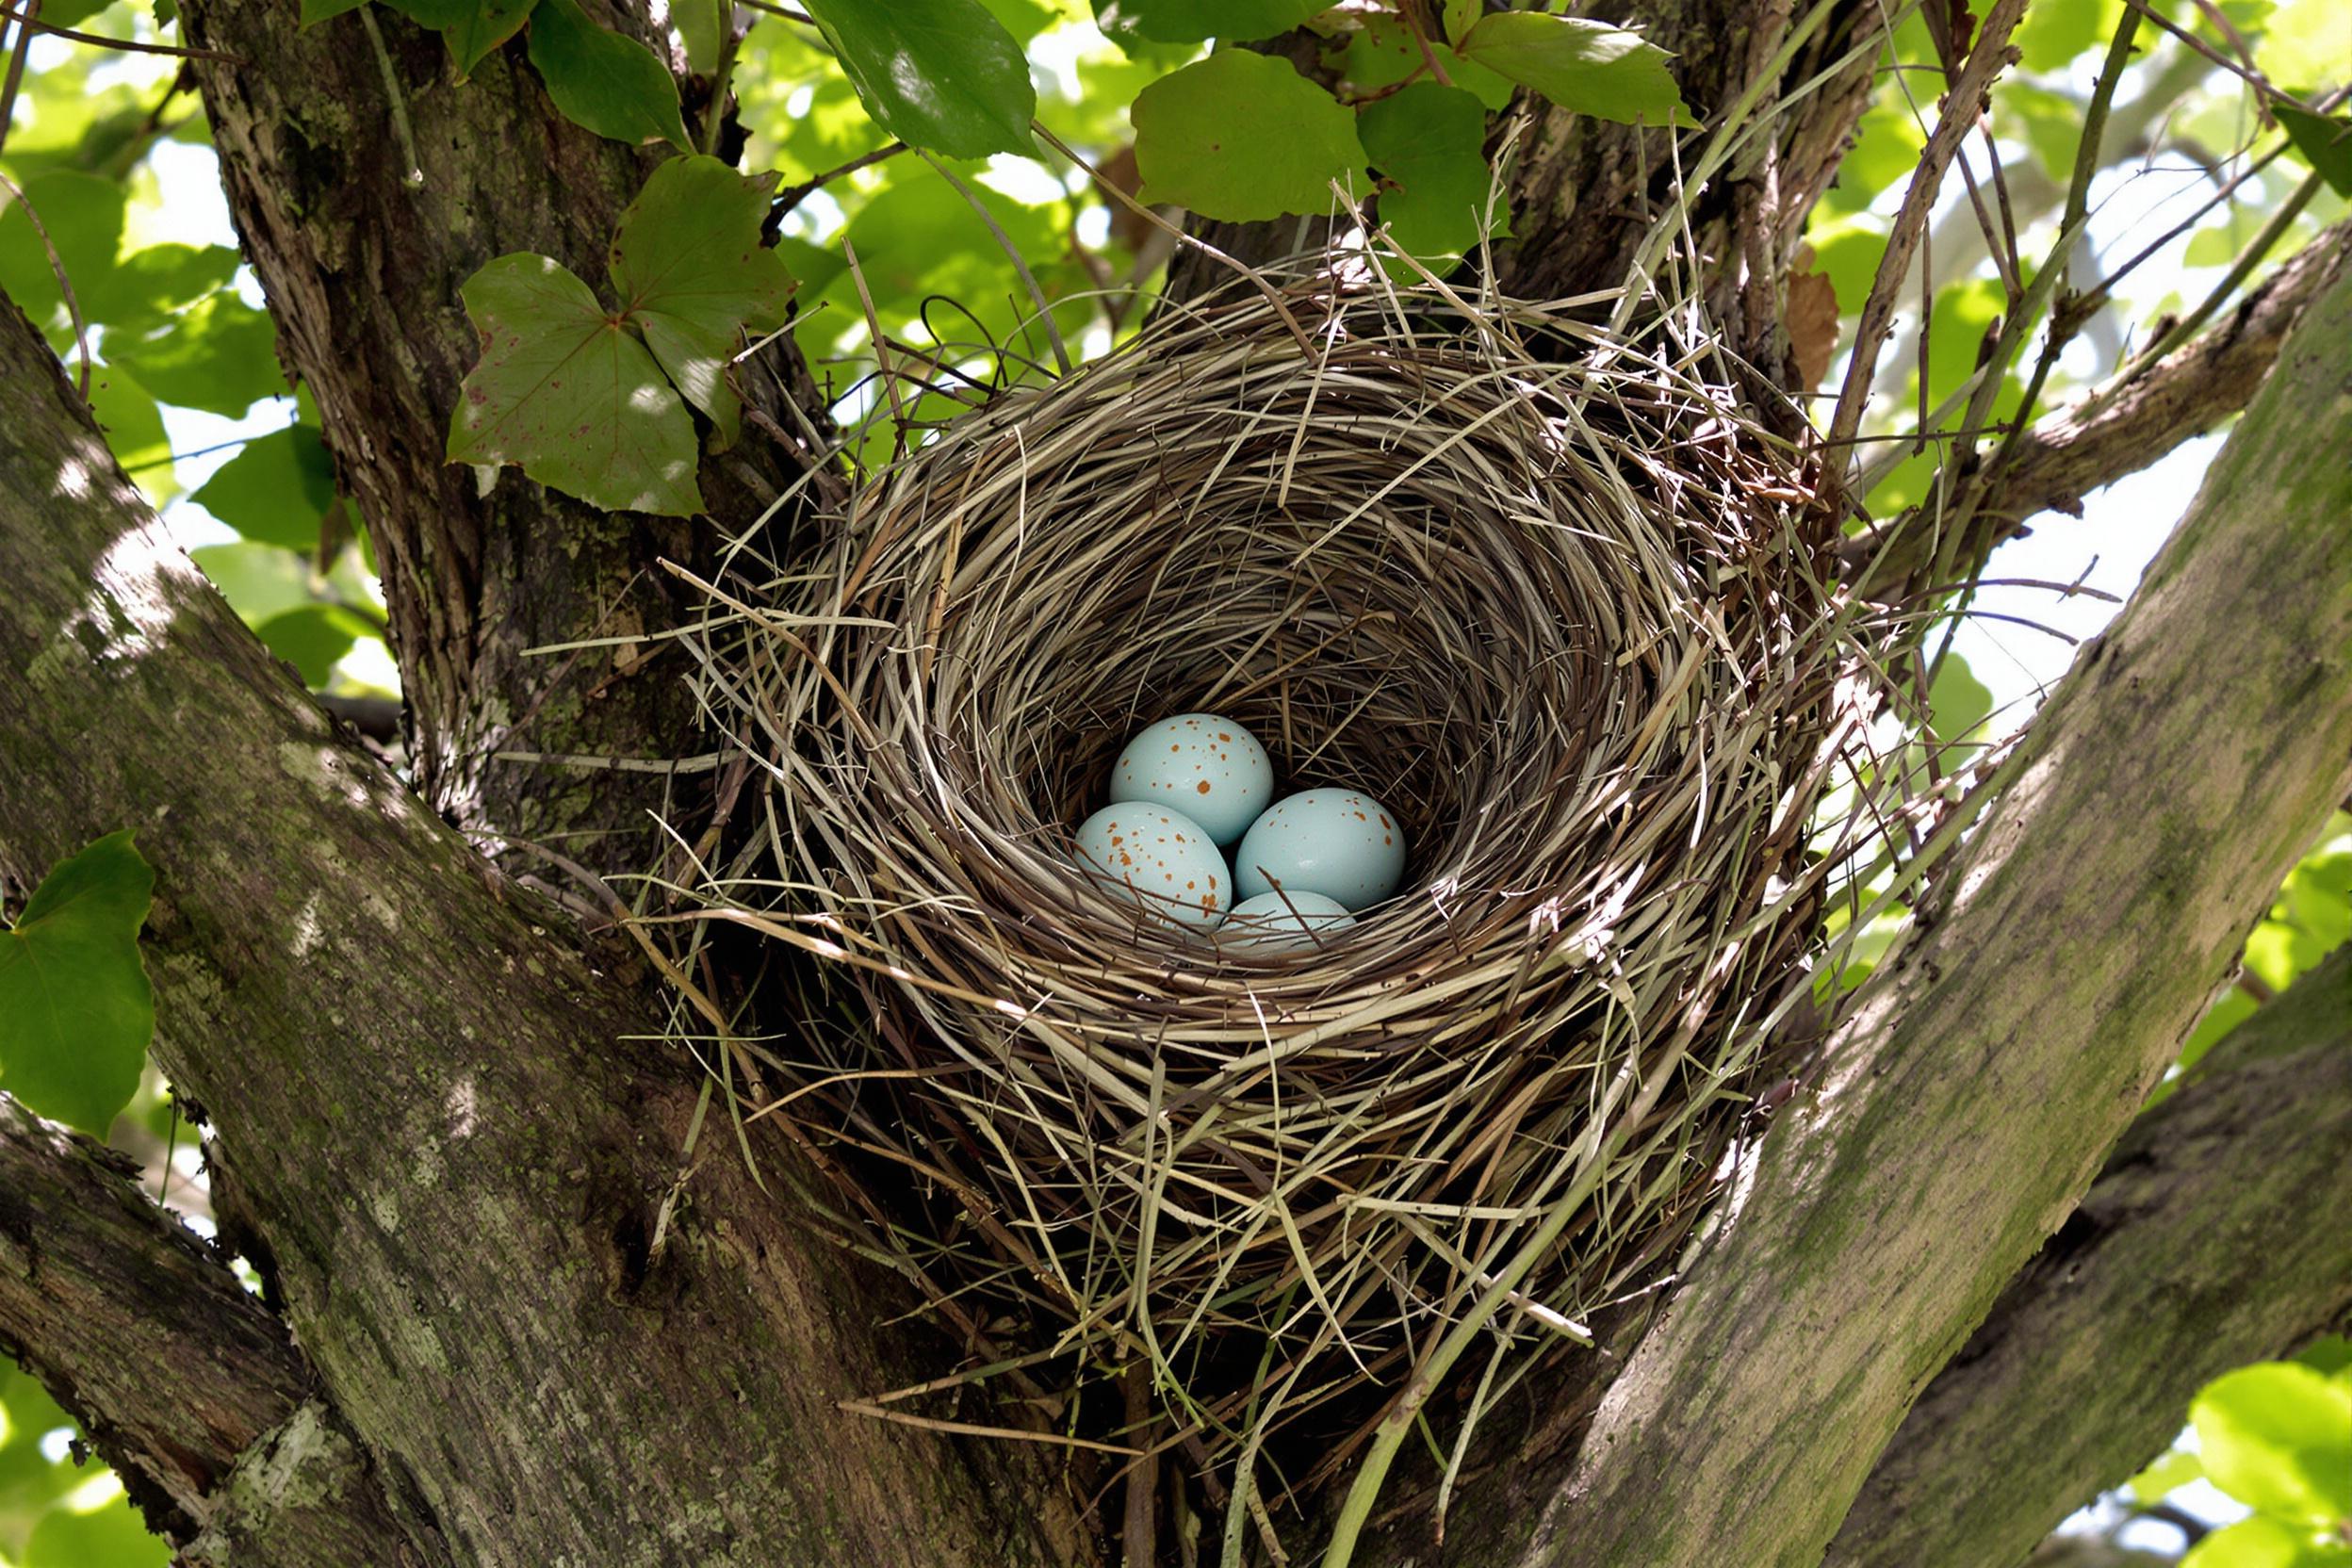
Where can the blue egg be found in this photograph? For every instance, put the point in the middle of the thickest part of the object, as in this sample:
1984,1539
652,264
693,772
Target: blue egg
1164,859
1281,920
1341,843
1202,765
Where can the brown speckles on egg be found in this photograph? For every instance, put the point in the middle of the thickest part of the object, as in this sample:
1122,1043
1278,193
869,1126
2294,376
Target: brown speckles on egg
1204,786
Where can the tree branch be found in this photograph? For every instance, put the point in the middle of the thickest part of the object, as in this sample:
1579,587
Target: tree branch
1964,1106
361,238
2124,429
2203,1244
560,1340
184,1383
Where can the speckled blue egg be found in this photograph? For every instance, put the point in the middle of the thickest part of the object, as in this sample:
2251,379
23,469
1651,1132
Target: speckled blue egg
1279,919
1163,857
1202,765
1341,843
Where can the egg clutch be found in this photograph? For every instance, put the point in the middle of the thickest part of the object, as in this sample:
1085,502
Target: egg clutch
1188,790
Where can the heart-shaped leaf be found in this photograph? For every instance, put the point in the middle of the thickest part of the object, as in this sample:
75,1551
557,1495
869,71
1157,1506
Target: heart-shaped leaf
566,390
1430,142
940,75
470,28
692,274
1584,65
1241,135
612,85
75,1009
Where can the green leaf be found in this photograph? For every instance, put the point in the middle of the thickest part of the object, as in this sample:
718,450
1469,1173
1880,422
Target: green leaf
1459,17
275,490
702,28
70,13
691,276
1240,136
83,218
133,430
1959,703
219,355
319,10
1887,148
2233,1008
75,1009
471,29
2055,31
1383,51
1430,141
1197,21
258,580
2170,1471
612,85
148,285
2277,1437
311,637
2261,1543
1585,66
1024,20
2051,123
1850,252
566,392
940,75
2325,144
2330,1355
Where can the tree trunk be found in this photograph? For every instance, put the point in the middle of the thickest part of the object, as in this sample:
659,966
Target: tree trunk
552,1336
369,183
561,1339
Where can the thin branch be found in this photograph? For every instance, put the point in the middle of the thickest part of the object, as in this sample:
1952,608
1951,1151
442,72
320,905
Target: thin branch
2078,450
1963,105
179,1376
2192,1253
124,45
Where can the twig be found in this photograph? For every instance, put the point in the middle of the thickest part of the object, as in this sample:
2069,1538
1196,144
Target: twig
2254,79
21,45
1020,263
128,46
415,178
792,195
56,266
788,14
1964,103
2248,259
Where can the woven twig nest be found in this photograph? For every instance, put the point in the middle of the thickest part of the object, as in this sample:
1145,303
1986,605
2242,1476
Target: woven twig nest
1545,593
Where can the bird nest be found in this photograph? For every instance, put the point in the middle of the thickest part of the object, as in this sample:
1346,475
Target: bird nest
1539,587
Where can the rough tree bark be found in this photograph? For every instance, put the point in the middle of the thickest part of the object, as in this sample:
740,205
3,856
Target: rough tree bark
2208,1232
368,183
461,1180
459,1215
1953,1122
208,1408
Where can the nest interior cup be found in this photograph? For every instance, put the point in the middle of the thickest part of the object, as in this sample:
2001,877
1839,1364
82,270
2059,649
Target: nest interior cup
1559,613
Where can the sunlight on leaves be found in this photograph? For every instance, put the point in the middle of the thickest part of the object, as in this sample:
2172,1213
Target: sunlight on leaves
690,272
568,393
1583,66
75,1009
611,84
1240,136
941,75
